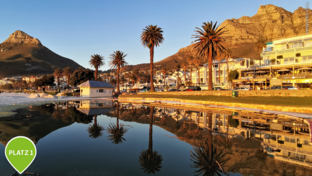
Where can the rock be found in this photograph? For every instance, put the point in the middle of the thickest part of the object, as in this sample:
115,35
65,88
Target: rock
22,38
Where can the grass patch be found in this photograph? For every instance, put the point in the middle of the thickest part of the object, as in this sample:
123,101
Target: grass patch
278,101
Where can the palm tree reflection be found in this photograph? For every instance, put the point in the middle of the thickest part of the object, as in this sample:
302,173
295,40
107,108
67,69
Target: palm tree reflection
207,159
95,130
116,132
150,160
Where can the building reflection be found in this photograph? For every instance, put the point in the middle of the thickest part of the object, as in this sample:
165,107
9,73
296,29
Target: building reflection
283,138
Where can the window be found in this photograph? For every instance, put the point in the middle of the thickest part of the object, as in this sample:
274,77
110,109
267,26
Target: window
101,90
100,104
104,91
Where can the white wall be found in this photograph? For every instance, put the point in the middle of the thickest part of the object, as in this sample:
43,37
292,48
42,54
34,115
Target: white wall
94,92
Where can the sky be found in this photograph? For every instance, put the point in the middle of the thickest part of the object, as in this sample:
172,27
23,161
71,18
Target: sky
77,29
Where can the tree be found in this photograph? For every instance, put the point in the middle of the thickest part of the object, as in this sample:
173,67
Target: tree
228,54
95,130
164,72
96,61
19,84
151,37
46,80
208,160
208,41
260,44
67,71
184,67
116,132
133,78
150,160
80,76
233,75
190,60
117,61
57,74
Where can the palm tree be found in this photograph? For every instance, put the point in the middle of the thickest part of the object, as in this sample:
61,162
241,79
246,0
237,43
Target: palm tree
67,71
190,60
95,130
116,132
163,72
117,61
228,55
133,78
96,61
259,45
208,161
57,74
150,160
152,36
184,66
208,41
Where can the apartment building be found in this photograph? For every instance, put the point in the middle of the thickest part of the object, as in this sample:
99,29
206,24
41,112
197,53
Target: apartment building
286,62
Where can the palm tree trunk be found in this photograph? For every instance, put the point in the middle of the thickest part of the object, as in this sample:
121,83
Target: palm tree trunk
151,66
185,77
58,81
117,115
219,72
210,68
96,73
95,119
67,79
210,135
165,80
118,69
227,68
198,75
150,144
191,70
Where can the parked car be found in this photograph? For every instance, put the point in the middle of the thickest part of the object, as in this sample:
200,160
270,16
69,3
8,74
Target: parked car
219,88
285,87
241,88
194,88
291,88
170,90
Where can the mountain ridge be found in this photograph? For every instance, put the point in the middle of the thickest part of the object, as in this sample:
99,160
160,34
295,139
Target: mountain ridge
22,54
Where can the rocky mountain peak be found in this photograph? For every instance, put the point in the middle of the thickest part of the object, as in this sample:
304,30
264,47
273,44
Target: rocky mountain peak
22,38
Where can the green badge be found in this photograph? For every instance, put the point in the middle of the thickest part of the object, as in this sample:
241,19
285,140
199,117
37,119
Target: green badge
20,152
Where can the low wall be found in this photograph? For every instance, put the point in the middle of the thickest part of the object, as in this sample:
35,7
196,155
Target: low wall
241,93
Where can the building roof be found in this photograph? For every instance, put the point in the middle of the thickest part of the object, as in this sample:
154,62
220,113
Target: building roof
96,84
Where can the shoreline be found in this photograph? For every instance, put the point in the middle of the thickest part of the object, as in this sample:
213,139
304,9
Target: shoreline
8,109
220,106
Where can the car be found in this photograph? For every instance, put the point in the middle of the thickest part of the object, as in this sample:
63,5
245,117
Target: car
241,88
170,90
285,87
291,88
219,88
193,88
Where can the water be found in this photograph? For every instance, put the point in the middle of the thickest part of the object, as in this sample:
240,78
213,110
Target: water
74,139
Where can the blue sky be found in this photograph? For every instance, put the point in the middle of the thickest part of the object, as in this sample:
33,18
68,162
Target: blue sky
77,29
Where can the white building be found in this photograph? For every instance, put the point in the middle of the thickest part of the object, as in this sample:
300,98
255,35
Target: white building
96,89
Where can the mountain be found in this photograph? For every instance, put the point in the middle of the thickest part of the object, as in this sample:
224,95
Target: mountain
22,54
270,21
